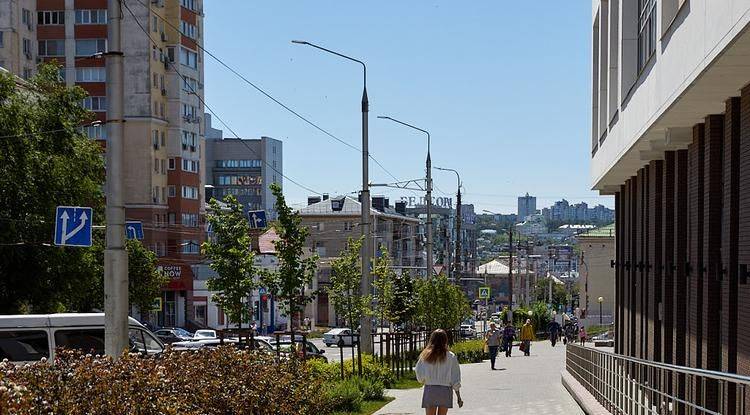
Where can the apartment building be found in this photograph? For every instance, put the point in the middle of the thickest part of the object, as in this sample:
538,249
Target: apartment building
164,139
332,221
597,248
18,46
671,140
526,206
244,168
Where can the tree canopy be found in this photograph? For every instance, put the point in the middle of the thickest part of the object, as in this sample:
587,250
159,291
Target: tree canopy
345,290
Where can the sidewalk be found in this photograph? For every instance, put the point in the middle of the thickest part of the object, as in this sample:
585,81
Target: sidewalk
526,385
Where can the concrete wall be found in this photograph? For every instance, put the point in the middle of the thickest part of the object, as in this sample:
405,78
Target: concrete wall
598,280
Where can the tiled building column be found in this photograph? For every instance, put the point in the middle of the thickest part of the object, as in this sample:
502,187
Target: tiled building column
695,252
654,260
667,266
680,271
743,248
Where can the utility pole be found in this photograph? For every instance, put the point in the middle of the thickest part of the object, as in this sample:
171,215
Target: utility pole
115,256
510,265
527,272
459,219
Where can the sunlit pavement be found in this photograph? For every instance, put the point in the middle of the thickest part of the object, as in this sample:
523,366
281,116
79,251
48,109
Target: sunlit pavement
523,385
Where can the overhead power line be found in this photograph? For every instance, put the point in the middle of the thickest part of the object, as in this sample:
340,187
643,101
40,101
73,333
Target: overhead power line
269,96
202,101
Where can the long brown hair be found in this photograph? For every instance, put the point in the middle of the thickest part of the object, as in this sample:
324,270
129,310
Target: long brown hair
437,347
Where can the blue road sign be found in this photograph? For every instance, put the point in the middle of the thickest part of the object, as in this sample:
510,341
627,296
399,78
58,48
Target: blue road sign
134,229
73,226
257,219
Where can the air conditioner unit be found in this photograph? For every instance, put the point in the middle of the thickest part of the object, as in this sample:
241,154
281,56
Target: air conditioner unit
164,92
166,64
163,37
192,148
28,55
39,59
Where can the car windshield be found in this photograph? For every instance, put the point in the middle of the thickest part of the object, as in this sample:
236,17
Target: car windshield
205,334
181,332
336,331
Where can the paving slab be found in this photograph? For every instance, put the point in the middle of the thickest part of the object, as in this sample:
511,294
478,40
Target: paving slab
523,385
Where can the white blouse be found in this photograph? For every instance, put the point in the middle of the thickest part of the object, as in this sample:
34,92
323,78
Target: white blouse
445,373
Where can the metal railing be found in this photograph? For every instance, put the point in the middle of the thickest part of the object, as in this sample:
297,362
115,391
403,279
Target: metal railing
627,385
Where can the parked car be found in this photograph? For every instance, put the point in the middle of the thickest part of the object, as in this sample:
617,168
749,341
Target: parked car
169,335
331,337
28,338
468,331
258,343
204,334
311,351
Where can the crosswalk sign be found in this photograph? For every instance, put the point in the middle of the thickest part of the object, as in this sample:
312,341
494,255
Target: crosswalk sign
484,292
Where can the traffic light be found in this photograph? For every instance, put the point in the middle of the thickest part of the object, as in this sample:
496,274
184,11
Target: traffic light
264,302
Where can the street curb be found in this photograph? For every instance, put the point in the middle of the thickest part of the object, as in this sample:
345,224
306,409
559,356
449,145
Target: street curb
585,400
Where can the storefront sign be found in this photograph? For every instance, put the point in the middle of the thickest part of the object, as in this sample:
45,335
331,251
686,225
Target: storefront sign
172,271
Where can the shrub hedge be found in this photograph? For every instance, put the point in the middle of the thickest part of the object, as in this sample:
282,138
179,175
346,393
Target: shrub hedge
219,381
471,351
371,369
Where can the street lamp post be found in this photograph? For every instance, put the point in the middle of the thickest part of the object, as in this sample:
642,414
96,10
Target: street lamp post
430,268
459,219
365,282
601,319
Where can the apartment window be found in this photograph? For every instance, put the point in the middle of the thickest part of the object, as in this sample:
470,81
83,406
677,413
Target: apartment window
51,17
238,163
26,18
190,247
49,47
646,31
155,139
95,103
163,139
96,16
155,195
26,73
92,74
95,131
155,55
155,80
347,226
1,39
163,165
188,4
188,58
172,191
190,220
171,164
188,29
189,192
190,165
189,111
154,24
172,217
230,180
189,140
156,165
189,84
88,47
161,109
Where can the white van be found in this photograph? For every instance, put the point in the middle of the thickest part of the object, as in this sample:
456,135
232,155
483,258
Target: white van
28,338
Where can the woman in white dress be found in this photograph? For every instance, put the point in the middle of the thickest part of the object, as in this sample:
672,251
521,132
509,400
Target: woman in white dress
439,371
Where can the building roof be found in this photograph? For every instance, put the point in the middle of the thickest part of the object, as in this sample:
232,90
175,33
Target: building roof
266,242
348,206
603,232
493,267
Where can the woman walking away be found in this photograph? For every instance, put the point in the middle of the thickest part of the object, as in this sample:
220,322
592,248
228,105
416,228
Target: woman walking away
527,335
582,336
492,338
440,373
509,333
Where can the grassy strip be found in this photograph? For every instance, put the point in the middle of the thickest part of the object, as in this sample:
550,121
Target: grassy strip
408,381
368,407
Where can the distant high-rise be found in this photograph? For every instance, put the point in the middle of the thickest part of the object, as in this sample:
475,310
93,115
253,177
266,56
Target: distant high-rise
526,206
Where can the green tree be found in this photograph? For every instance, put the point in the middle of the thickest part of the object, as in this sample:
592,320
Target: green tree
440,303
230,251
45,161
144,280
345,290
403,305
559,293
294,271
383,283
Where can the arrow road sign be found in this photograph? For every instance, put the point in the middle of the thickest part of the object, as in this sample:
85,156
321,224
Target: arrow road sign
134,229
257,219
484,292
73,226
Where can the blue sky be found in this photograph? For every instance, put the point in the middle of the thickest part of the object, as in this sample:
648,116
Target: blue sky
502,86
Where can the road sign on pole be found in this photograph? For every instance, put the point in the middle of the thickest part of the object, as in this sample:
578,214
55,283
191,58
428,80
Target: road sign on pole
73,226
257,219
484,292
134,229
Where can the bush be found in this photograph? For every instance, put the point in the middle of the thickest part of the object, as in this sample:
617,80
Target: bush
471,351
372,390
219,381
344,395
371,369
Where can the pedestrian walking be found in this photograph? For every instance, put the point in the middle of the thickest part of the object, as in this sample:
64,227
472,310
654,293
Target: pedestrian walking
438,370
492,339
509,333
527,335
582,336
554,331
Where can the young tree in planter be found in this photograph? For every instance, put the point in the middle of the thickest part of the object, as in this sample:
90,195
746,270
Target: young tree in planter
346,274
230,252
294,272
384,278
144,280
402,308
